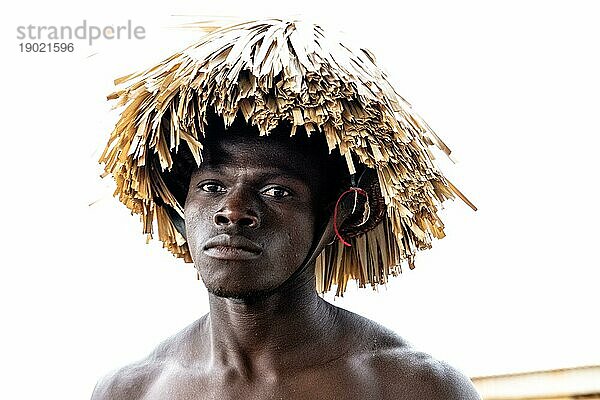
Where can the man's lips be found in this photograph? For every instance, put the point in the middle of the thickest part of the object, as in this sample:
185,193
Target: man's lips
227,247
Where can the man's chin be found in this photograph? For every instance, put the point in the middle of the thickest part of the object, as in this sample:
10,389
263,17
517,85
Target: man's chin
242,296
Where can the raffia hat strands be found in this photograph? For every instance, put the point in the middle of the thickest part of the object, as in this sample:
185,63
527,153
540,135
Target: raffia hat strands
274,71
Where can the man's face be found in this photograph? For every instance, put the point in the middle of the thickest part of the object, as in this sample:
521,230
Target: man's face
249,212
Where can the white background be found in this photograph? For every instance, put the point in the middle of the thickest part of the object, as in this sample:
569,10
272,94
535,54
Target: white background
512,87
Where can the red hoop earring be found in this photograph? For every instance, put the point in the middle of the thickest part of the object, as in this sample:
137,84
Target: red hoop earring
356,190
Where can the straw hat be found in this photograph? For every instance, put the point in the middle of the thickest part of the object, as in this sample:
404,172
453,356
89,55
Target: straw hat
275,71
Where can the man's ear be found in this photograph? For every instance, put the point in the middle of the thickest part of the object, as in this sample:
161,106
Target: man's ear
365,208
353,210
178,220
344,215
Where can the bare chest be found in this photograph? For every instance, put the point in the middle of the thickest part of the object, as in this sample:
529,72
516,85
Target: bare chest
324,384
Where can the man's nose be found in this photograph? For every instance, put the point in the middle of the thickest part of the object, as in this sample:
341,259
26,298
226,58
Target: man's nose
238,209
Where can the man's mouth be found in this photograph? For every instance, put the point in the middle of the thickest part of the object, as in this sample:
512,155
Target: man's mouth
228,247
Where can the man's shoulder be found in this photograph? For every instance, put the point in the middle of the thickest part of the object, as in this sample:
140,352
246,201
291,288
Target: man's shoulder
403,372
132,381
129,382
399,371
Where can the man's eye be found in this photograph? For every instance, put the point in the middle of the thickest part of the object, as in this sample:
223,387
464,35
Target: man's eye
212,187
277,192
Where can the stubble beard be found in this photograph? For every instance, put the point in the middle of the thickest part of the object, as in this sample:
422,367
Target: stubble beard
242,296
248,297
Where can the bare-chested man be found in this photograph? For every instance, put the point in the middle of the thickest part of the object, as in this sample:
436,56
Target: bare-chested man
257,212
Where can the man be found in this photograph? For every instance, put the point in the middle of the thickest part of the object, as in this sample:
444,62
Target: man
268,220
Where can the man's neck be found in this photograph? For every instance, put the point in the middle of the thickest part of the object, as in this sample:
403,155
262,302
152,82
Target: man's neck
275,334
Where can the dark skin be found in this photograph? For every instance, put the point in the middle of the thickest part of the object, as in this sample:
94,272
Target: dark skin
268,334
